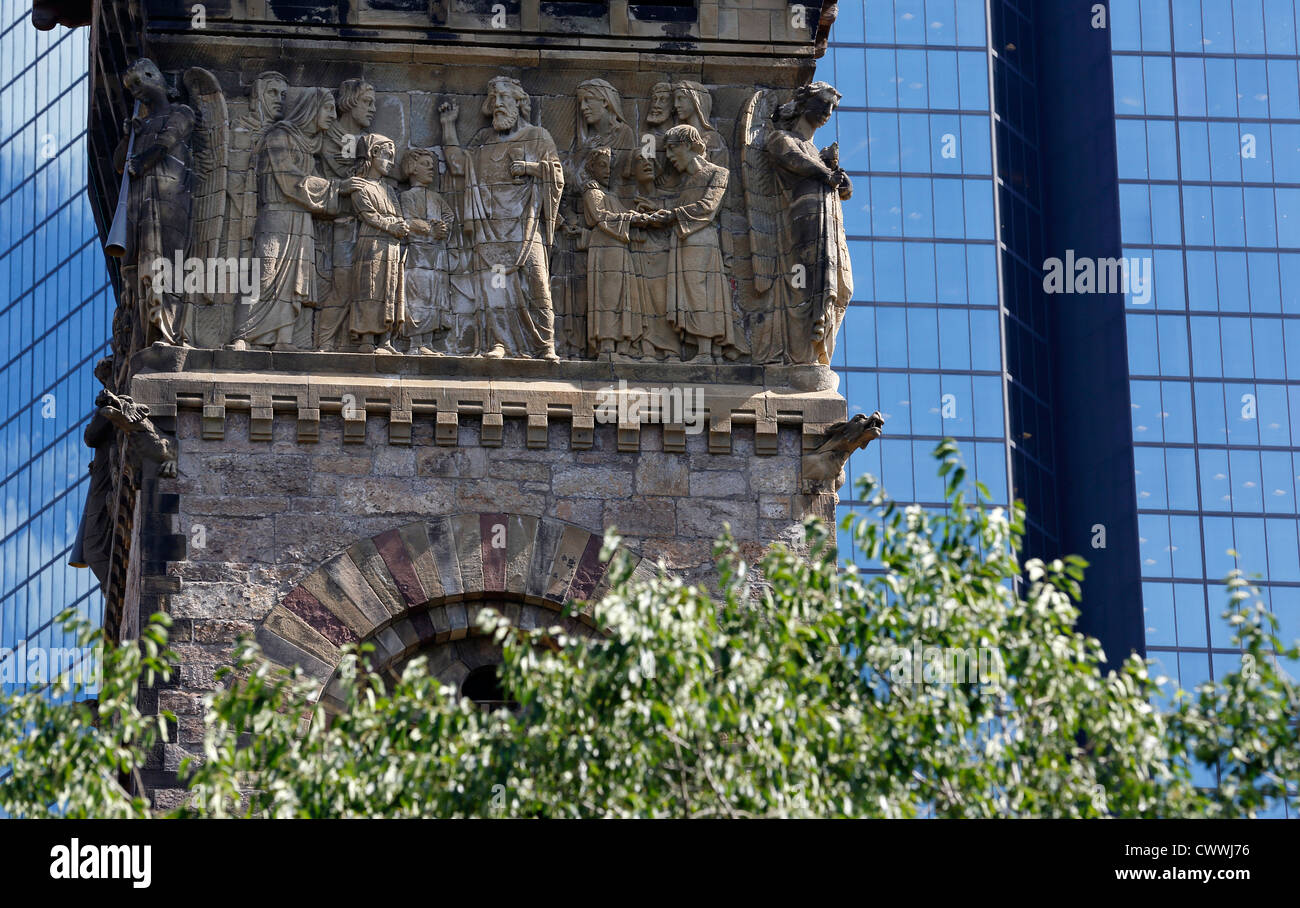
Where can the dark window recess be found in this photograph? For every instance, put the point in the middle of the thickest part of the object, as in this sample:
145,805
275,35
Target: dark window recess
484,7
664,11
399,6
484,687
305,11
564,9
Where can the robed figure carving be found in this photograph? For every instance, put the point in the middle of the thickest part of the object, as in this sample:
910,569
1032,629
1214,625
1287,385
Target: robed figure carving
793,193
266,104
290,193
615,312
656,121
512,181
650,247
428,288
600,124
698,300
337,238
379,288
160,196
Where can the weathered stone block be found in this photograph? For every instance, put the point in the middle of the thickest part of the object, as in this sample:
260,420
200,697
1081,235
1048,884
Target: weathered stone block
592,482
704,518
662,474
719,484
642,516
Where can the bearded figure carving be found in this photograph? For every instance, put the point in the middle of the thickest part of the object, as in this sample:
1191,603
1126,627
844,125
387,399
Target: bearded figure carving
511,179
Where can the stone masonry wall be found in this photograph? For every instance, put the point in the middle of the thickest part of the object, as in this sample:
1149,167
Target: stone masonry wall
245,521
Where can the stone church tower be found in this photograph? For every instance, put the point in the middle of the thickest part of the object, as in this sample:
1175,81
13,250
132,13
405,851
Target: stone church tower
416,298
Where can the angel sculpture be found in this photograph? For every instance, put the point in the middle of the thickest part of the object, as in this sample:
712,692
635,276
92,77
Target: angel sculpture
793,192
213,308
157,162
221,206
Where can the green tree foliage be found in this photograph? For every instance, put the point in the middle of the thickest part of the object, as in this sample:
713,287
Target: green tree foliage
940,688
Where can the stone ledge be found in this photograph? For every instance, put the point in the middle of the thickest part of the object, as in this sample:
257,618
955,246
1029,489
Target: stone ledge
690,399
304,364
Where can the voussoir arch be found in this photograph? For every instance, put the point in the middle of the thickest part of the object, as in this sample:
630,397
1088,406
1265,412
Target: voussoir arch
422,584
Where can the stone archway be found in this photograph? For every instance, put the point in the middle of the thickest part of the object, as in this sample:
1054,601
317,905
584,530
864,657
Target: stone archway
420,586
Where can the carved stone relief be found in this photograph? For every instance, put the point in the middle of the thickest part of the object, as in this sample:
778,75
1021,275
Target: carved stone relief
626,246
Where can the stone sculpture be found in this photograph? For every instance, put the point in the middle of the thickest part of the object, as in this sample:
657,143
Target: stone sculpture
622,247
210,315
355,106
823,467
95,533
615,313
693,105
338,237
290,191
379,287
161,187
658,109
145,444
649,248
801,261
657,120
428,291
600,124
697,302
512,180
266,105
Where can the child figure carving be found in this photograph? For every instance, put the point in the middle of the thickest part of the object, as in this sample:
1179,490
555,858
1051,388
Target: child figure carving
379,292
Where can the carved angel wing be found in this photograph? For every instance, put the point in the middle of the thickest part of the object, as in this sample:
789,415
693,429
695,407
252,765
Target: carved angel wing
211,148
761,196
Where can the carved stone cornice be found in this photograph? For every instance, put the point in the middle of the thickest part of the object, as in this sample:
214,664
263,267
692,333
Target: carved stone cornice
302,386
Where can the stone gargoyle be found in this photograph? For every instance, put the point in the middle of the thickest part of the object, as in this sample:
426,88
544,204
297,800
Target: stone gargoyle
144,441
823,468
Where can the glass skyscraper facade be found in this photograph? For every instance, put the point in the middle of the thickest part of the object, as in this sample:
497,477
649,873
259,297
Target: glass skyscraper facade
986,138
922,339
55,320
1207,108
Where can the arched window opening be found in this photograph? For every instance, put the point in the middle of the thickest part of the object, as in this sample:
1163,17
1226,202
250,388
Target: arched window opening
483,687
